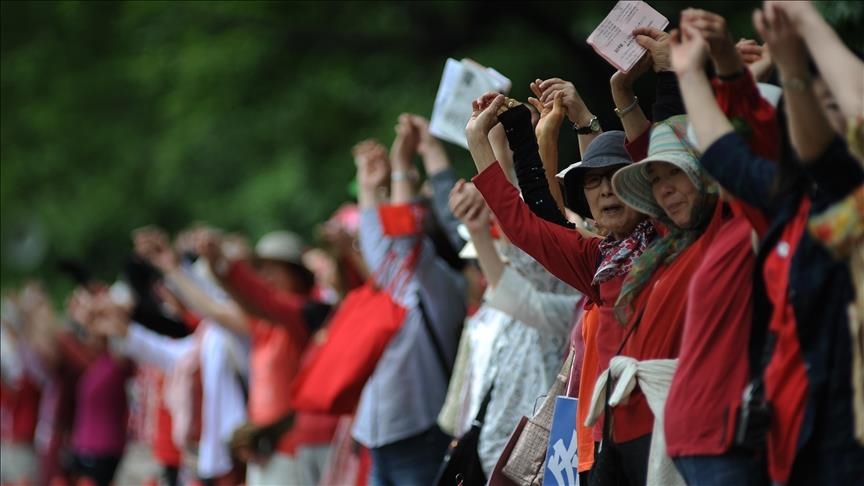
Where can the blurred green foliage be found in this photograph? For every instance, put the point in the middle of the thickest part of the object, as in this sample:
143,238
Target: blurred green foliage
242,114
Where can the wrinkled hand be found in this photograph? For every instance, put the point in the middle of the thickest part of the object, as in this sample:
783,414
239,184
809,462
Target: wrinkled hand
756,57
657,43
781,38
546,90
716,33
151,244
484,115
550,116
689,50
628,79
468,206
372,162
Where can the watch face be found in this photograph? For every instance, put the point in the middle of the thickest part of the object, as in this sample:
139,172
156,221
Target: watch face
594,125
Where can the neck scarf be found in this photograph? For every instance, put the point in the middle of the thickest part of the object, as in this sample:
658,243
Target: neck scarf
618,255
663,251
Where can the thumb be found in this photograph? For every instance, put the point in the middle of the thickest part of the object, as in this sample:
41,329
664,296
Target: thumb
646,42
558,101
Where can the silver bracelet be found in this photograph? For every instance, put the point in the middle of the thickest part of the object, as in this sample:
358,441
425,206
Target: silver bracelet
628,109
403,175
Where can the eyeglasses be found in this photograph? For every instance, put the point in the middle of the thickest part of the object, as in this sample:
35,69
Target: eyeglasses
594,179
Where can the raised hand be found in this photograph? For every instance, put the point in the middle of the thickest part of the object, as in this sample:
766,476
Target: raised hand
756,57
372,164
546,89
484,115
109,318
716,33
689,50
405,144
797,12
657,43
151,244
551,115
781,37
79,306
468,206
627,80
426,143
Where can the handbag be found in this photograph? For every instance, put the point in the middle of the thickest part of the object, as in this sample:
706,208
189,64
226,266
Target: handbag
497,478
526,449
358,333
461,465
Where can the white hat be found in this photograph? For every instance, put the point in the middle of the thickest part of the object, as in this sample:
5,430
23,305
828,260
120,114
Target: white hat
469,251
283,246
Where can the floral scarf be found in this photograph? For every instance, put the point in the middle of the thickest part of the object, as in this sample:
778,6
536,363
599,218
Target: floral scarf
618,255
663,251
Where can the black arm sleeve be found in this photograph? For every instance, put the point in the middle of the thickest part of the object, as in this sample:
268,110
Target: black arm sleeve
668,101
529,168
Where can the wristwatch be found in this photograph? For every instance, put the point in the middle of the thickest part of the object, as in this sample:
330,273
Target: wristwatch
593,126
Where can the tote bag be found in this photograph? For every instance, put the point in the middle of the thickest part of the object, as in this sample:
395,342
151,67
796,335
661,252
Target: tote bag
357,335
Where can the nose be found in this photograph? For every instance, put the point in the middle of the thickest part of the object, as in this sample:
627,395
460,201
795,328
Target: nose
665,187
606,185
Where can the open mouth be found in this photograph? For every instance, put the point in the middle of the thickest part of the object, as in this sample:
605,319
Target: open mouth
612,209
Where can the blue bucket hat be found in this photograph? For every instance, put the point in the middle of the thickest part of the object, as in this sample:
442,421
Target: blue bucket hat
606,150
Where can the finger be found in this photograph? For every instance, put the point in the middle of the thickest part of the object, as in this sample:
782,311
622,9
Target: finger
646,42
652,32
558,102
536,104
495,103
474,211
675,37
546,83
535,88
759,24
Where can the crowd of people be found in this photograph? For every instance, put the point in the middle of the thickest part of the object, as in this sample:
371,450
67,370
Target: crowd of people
696,281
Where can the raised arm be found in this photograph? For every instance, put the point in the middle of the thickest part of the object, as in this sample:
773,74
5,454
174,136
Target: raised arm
633,119
577,111
530,173
403,175
841,69
809,130
442,177
468,205
548,129
152,245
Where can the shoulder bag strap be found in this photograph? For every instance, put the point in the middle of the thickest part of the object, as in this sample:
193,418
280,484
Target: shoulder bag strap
439,349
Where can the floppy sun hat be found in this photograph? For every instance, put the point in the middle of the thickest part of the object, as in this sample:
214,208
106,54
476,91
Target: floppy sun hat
606,150
668,144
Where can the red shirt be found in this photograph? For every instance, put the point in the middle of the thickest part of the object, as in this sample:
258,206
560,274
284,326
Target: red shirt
19,407
785,376
574,259
712,367
278,346
273,363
